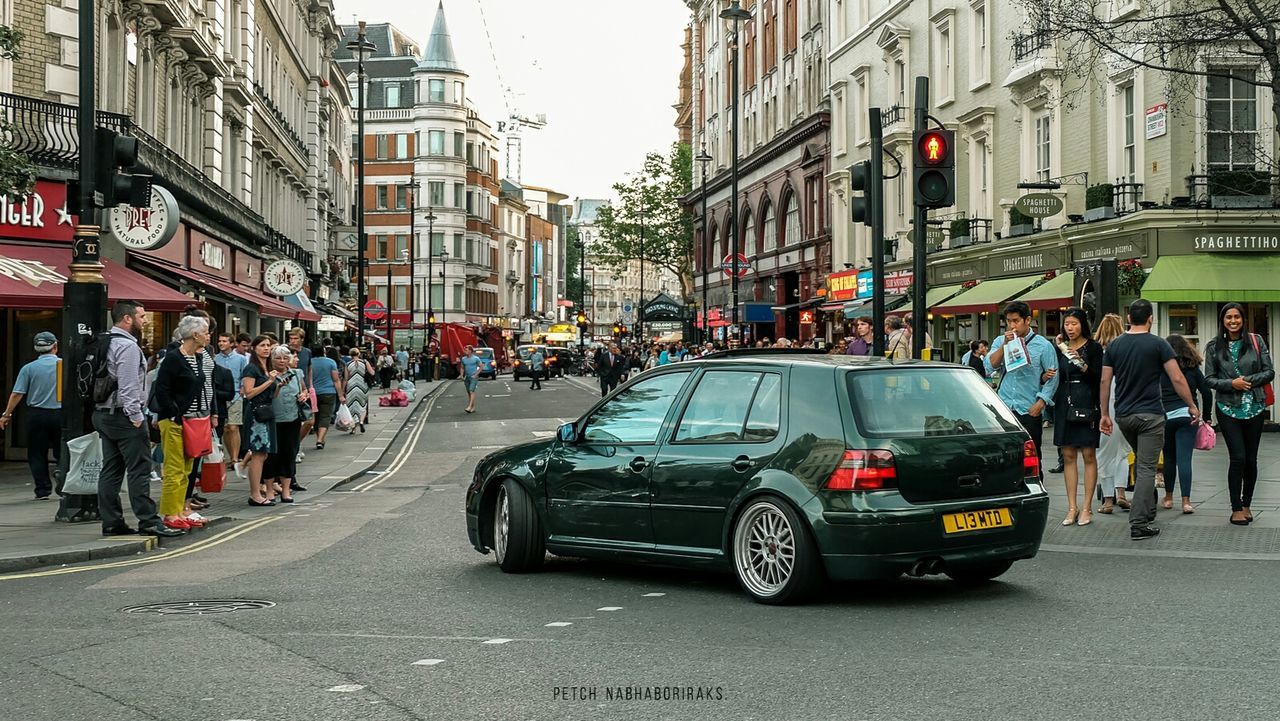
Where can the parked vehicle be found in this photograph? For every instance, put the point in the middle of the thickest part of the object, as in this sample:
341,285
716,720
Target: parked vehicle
808,467
488,366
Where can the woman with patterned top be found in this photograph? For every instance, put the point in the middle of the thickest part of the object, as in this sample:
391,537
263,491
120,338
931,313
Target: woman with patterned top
259,385
1238,368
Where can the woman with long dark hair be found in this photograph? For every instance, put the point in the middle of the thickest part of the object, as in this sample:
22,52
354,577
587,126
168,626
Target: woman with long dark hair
1179,430
1076,412
1238,368
259,385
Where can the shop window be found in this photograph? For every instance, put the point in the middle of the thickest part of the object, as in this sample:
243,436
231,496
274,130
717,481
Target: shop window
1185,321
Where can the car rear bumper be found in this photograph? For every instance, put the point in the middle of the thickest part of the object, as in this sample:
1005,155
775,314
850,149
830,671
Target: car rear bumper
879,544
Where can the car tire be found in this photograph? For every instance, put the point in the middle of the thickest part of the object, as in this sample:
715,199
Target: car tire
977,573
517,532
771,570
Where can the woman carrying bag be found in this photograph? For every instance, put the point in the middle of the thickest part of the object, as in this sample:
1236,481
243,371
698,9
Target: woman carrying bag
1179,430
1076,412
281,465
259,385
181,401
1238,368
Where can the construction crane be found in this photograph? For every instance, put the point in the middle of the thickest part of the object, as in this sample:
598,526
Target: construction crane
512,128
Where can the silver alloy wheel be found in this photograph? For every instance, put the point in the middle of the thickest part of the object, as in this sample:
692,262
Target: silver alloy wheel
501,523
764,549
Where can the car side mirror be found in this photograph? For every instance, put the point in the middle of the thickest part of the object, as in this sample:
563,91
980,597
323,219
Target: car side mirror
567,433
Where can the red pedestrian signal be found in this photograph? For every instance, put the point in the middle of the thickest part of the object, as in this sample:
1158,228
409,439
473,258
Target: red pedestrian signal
934,149
934,169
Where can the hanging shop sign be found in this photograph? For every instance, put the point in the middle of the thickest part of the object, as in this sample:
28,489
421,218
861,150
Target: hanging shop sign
284,277
1039,205
897,282
331,323
39,215
146,228
866,285
842,286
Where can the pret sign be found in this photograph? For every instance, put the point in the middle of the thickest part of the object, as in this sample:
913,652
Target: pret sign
1039,205
744,265
146,228
284,277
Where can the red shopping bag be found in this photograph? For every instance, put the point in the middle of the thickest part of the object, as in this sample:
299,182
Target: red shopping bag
213,476
197,437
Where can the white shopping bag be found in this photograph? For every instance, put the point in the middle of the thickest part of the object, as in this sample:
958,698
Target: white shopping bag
344,420
86,465
216,455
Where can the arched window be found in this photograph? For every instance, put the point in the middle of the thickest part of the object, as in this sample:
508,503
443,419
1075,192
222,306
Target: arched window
791,230
748,242
713,251
770,229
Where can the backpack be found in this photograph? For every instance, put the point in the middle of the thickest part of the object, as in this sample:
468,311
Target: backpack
94,382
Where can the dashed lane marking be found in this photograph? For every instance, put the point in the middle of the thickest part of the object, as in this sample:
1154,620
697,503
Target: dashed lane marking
486,448
428,662
609,608
558,624
498,641
346,688
653,595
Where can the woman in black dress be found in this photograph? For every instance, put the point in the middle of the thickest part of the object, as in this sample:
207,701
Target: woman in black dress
1075,410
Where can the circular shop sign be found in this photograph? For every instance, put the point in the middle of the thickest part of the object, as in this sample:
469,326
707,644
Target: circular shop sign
284,277
146,228
1039,205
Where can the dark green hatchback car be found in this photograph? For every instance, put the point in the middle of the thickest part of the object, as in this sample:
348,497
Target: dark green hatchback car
787,468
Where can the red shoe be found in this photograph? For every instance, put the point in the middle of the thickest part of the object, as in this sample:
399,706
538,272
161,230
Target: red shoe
181,524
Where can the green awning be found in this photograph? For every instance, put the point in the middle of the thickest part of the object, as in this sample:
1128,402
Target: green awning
863,307
1214,279
1054,294
987,296
936,295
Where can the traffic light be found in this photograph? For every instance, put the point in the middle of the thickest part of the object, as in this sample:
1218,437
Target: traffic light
935,168
617,330
860,182
116,156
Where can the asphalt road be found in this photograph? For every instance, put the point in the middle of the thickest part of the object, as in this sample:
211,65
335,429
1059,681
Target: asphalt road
383,611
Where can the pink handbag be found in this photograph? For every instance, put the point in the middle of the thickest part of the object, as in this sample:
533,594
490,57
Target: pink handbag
1206,438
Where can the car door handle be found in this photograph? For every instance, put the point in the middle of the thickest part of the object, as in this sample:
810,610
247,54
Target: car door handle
741,464
638,464
971,481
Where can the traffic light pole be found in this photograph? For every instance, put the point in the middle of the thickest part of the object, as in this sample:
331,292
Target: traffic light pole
876,211
919,251
84,295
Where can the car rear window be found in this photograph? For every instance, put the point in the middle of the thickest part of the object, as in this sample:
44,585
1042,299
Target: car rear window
926,401
484,352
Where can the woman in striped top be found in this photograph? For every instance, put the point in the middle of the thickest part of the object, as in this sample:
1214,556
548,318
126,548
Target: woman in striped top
183,390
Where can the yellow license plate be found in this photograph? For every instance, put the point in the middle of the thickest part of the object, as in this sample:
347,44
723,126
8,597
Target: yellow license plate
976,520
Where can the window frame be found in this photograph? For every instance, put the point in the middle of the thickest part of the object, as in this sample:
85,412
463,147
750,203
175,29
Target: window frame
665,428
979,44
688,399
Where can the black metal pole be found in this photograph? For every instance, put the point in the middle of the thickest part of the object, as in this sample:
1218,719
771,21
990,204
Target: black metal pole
919,252
390,304
413,256
582,288
877,231
641,313
733,192
363,292
84,295
706,327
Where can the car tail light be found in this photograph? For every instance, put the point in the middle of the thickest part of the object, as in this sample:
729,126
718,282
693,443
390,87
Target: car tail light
1030,462
517,363
864,471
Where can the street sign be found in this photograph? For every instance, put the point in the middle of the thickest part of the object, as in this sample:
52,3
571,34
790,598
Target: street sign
932,236
375,310
744,265
806,317
1039,205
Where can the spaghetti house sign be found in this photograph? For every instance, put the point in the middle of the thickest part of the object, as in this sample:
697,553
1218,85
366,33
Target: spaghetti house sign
1236,243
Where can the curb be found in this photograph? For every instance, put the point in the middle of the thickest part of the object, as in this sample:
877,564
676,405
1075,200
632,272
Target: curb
132,547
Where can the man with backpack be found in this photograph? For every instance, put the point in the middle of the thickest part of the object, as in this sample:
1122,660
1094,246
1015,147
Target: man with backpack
119,394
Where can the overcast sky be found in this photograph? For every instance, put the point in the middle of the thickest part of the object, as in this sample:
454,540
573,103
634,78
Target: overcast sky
605,73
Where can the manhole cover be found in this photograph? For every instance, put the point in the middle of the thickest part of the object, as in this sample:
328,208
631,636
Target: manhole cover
198,608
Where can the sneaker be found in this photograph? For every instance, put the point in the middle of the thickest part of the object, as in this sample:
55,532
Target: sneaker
299,457
1142,533
155,477
239,469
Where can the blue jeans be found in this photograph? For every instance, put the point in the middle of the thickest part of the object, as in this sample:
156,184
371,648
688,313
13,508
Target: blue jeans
1179,444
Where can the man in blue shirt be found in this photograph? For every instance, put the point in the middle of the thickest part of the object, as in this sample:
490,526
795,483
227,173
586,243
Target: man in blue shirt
38,383
1021,388
228,357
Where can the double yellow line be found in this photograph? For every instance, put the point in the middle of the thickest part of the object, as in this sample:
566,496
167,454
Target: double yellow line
196,547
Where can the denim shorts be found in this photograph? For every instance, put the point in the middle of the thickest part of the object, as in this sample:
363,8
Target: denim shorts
472,384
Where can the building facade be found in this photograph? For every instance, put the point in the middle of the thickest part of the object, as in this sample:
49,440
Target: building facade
783,219
1174,188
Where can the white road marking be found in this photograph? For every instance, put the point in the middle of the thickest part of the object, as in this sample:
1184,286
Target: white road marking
498,395
609,608
486,448
543,434
347,688
496,641
558,624
653,595
428,662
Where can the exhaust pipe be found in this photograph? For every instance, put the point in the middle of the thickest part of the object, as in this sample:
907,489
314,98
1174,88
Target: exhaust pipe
926,567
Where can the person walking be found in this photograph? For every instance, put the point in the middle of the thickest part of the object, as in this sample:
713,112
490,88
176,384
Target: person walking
402,361
1113,450
1076,411
535,363
386,366
1239,368
356,388
1136,360
1027,387
281,466
469,371
610,367
326,383
259,388
37,384
898,344
863,340
1179,431
126,442
182,394
303,355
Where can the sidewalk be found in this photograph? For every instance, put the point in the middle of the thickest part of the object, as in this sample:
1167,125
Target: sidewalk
30,538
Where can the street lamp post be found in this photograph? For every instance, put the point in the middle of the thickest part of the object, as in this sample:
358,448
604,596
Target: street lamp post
641,315
431,321
582,291
412,188
736,15
703,158
362,48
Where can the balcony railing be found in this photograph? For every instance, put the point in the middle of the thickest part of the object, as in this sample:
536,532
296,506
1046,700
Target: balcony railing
1025,46
892,116
46,133
280,118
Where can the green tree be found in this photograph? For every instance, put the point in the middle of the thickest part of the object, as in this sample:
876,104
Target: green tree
17,175
651,199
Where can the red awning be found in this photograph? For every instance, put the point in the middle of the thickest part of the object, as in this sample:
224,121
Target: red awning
832,307
267,305
32,277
